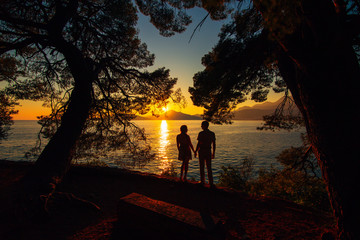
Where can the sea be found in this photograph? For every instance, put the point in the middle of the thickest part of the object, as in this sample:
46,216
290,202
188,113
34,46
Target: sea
234,142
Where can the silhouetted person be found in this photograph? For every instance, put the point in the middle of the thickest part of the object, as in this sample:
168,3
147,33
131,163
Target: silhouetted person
206,139
184,146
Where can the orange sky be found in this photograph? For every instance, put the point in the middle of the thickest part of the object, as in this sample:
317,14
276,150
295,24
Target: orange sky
177,53
29,110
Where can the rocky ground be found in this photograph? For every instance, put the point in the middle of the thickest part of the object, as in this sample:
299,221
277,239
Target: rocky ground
135,205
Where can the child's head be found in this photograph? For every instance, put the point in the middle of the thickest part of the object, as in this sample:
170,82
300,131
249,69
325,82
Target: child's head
183,129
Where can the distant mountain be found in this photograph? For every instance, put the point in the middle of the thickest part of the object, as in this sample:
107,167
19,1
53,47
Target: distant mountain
141,118
251,114
257,111
171,115
263,106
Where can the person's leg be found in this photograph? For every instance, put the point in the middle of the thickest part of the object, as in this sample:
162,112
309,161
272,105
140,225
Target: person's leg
186,166
182,170
202,170
209,171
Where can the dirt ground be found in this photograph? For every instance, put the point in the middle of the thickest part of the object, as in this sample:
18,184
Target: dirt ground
238,216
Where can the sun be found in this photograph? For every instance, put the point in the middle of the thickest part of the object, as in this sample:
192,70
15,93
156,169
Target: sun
165,109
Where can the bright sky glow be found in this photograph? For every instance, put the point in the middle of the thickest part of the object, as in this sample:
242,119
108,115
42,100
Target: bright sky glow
176,53
182,57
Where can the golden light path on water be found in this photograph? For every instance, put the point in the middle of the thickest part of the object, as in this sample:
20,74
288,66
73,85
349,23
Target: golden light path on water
164,142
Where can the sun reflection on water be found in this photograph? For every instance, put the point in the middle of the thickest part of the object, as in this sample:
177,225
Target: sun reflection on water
164,142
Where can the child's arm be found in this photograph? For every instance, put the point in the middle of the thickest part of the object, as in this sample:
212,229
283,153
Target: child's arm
177,143
191,146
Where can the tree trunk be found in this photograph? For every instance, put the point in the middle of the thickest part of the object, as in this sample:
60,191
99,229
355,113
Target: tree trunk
55,159
322,72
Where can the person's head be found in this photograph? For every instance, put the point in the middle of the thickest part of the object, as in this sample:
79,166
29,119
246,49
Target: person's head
205,125
183,129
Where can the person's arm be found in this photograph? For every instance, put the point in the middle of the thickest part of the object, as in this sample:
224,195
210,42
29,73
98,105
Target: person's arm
196,149
197,146
214,147
191,146
177,143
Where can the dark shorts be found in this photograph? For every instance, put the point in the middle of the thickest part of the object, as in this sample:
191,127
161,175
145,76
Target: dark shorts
205,155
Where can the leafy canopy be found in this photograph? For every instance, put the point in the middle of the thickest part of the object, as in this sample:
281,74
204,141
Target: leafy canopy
245,60
7,103
41,35
241,63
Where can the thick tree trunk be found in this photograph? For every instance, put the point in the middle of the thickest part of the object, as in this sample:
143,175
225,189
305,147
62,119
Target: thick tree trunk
56,157
323,75
38,186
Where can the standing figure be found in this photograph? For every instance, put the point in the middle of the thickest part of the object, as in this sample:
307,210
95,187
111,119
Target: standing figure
206,139
184,146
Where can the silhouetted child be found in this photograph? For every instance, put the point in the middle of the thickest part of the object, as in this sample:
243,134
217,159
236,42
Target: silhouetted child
206,139
184,146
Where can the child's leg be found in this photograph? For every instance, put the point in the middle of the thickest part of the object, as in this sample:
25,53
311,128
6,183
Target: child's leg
186,167
182,170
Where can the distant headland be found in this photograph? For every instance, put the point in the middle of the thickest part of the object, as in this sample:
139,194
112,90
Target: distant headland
255,112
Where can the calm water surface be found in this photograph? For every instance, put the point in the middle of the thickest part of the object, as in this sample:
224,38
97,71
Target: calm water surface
234,142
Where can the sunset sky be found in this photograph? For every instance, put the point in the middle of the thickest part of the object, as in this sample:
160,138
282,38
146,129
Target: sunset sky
176,53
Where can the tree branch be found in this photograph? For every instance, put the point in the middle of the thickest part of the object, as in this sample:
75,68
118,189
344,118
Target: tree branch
198,26
6,46
62,16
352,25
6,17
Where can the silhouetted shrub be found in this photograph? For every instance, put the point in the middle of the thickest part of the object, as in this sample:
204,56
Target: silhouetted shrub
298,181
170,171
237,177
292,185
